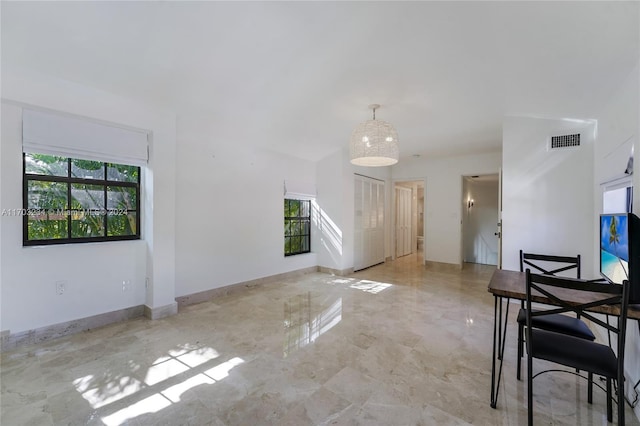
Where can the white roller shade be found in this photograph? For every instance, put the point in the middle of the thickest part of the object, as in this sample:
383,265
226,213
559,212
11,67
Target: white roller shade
48,133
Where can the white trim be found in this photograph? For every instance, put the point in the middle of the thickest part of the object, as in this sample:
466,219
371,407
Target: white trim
623,181
297,196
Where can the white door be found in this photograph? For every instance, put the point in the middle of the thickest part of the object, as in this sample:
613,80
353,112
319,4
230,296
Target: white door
403,221
368,222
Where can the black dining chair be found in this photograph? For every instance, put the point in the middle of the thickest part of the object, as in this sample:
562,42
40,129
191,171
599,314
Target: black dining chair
560,323
581,297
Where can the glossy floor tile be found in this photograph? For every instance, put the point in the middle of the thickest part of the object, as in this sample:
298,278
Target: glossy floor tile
396,344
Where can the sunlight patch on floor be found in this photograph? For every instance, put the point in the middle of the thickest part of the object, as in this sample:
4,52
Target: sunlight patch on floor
114,390
221,371
172,394
149,405
373,287
102,390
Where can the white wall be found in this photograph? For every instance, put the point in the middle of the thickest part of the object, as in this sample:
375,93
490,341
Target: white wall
94,272
619,125
443,198
546,206
331,199
229,219
480,222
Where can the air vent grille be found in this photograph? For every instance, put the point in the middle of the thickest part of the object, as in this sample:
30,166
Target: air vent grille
565,141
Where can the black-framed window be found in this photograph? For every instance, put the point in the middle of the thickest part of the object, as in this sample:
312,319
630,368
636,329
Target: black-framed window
297,226
69,200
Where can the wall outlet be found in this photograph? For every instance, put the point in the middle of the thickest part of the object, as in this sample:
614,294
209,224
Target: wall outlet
61,287
126,285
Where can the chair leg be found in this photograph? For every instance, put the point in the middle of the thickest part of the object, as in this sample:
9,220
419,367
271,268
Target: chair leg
609,401
621,401
590,389
520,350
529,390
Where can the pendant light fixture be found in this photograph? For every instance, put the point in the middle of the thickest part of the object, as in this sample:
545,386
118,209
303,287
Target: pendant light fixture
374,143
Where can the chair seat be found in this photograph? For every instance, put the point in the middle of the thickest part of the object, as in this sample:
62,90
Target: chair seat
574,352
559,323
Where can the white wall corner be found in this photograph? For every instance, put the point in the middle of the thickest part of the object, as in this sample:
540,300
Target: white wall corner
161,311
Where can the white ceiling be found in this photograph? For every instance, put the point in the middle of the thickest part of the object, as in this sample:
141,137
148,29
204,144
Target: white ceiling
297,77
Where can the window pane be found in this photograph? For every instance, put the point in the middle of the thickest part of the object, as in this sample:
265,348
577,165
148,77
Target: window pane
305,244
305,209
287,245
296,244
121,198
307,228
87,169
122,173
287,227
87,197
47,226
46,195
87,224
49,165
121,224
294,208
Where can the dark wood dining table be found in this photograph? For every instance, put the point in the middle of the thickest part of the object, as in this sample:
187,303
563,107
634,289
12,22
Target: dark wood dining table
508,285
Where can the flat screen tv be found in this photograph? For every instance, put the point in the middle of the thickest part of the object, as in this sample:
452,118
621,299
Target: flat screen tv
620,250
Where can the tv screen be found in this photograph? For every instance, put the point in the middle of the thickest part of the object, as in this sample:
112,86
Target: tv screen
620,250
614,247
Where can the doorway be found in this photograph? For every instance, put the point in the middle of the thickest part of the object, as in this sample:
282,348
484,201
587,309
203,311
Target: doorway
481,228
404,233
408,217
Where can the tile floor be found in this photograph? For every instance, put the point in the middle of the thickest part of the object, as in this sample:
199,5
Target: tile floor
396,344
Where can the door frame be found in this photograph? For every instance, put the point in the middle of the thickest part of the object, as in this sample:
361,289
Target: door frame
465,210
393,206
408,217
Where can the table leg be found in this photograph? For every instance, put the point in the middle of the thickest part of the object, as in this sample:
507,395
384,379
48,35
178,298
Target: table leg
500,342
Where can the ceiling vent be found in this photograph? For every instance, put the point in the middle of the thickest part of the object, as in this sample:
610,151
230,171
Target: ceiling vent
565,141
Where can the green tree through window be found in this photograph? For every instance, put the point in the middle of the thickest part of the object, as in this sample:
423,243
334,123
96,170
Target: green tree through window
68,200
297,226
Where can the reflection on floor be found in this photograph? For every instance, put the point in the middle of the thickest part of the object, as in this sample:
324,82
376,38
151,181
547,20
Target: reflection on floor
396,344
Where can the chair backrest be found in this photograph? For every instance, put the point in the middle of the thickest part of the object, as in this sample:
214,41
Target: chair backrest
581,297
541,263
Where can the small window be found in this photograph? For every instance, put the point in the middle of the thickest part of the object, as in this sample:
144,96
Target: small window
68,200
297,226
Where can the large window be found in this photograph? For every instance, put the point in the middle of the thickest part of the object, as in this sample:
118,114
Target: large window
297,226
68,200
